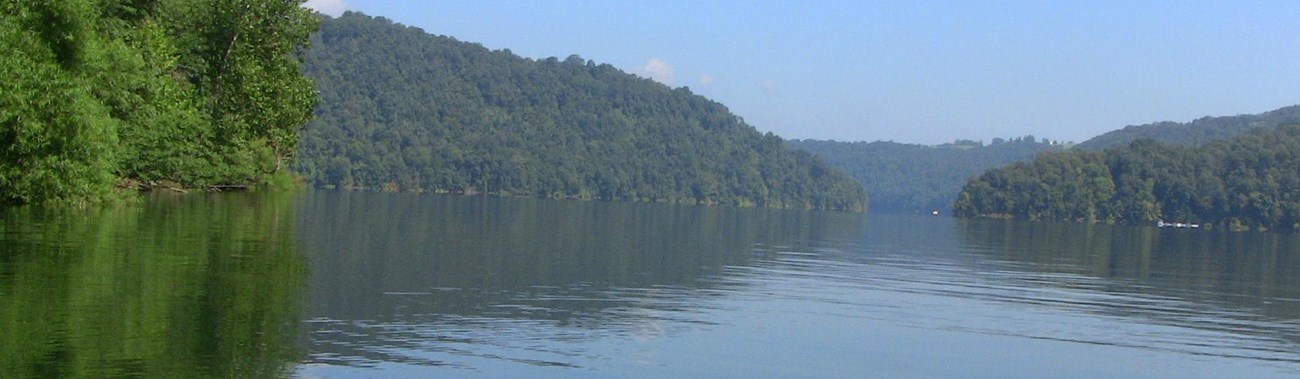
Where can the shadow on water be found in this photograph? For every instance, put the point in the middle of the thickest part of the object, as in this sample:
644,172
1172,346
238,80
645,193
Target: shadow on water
192,286
446,280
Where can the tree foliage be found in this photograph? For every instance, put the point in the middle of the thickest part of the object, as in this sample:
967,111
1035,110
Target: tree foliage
56,138
192,92
405,110
919,178
1248,181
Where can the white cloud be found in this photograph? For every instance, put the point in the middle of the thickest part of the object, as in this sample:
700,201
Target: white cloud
660,71
333,8
706,80
768,86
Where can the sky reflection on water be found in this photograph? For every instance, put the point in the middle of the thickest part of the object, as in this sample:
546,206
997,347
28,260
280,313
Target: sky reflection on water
418,286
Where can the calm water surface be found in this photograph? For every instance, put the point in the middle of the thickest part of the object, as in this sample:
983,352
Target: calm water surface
357,285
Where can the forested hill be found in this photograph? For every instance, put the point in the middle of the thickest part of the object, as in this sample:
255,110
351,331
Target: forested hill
1197,131
405,110
920,178
1249,181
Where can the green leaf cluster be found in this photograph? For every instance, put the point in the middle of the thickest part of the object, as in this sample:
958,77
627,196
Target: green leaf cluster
1247,182
405,110
190,93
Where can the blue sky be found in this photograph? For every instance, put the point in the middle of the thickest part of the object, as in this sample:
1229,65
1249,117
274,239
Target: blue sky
912,71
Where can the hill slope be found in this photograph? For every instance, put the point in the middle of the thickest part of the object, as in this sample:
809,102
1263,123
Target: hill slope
404,110
1248,181
919,178
1197,131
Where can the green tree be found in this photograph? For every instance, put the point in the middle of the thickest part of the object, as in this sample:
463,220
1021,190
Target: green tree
144,91
57,141
246,69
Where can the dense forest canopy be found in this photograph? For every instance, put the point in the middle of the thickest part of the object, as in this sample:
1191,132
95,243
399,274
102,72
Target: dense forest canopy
1197,131
919,178
1248,181
140,92
405,110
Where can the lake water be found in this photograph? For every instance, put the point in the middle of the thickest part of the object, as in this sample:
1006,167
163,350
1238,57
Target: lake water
363,285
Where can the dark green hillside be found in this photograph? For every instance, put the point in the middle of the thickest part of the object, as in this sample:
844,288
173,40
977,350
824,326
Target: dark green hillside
404,110
1196,132
919,178
1249,181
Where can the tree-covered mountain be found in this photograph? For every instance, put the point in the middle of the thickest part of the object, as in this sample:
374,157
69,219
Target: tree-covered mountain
103,92
405,110
1197,131
1249,181
920,178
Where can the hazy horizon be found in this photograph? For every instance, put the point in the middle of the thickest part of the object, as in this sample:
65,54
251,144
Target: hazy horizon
926,73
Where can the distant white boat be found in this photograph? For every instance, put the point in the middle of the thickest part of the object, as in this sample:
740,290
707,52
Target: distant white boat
1163,224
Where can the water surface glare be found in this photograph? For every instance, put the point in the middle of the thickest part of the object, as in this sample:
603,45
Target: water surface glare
420,286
